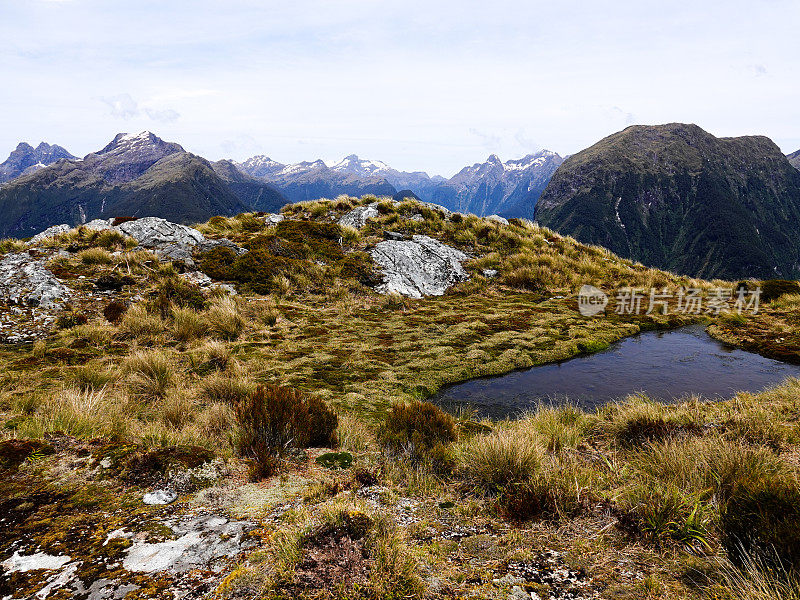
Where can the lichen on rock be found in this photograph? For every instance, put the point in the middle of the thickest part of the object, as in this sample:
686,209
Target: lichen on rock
418,267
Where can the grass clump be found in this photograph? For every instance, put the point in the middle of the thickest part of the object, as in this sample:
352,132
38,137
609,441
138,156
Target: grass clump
95,256
139,324
188,324
150,373
226,320
501,458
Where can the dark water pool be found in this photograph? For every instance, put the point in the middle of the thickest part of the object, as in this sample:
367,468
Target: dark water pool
666,365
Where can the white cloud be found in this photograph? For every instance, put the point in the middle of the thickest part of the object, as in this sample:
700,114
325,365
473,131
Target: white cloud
123,106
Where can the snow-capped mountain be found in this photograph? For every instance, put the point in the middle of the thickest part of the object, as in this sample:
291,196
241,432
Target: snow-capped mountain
313,180
26,159
509,188
134,175
128,156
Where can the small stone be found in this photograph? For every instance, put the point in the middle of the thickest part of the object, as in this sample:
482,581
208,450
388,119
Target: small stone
160,497
517,593
489,273
394,236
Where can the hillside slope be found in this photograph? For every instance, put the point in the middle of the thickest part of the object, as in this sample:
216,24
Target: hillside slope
676,197
134,175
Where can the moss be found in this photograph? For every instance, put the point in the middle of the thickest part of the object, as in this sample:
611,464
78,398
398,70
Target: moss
14,452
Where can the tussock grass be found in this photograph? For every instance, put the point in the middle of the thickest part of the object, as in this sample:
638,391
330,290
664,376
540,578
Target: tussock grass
95,256
150,373
226,320
508,456
139,324
226,388
188,324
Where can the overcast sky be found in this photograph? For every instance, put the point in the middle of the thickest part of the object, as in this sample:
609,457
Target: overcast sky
421,85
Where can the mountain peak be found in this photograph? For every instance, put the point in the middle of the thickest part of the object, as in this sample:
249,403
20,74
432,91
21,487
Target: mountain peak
26,159
129,155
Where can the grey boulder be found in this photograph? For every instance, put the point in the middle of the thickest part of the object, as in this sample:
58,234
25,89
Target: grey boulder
418,267
168,240
50,232
359,216
26,280
497,219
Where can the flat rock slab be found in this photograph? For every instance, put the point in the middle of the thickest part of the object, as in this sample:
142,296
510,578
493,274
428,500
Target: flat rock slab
26,280
418,267
153,232
202,542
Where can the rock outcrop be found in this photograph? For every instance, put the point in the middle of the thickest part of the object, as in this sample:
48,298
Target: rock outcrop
418,267
359,216
26,281
50,232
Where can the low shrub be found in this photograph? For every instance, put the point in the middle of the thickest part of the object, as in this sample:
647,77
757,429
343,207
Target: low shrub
772,289
416,428
70,319
114,311
174,291
274,418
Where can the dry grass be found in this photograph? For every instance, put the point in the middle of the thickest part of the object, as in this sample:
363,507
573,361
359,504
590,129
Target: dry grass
225,318
150,373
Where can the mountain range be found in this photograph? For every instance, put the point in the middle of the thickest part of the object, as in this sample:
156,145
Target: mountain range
510,189
134,175
671,196
677,198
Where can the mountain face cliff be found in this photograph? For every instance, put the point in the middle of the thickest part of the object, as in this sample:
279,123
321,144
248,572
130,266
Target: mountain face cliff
794,158
26,159
509,189
135,175
676,197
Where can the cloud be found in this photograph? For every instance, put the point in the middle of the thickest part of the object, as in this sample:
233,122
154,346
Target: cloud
124,106
492,142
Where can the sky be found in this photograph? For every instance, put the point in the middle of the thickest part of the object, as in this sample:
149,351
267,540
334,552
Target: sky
430,85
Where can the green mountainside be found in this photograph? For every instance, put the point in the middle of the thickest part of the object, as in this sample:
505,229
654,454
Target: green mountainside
676,197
